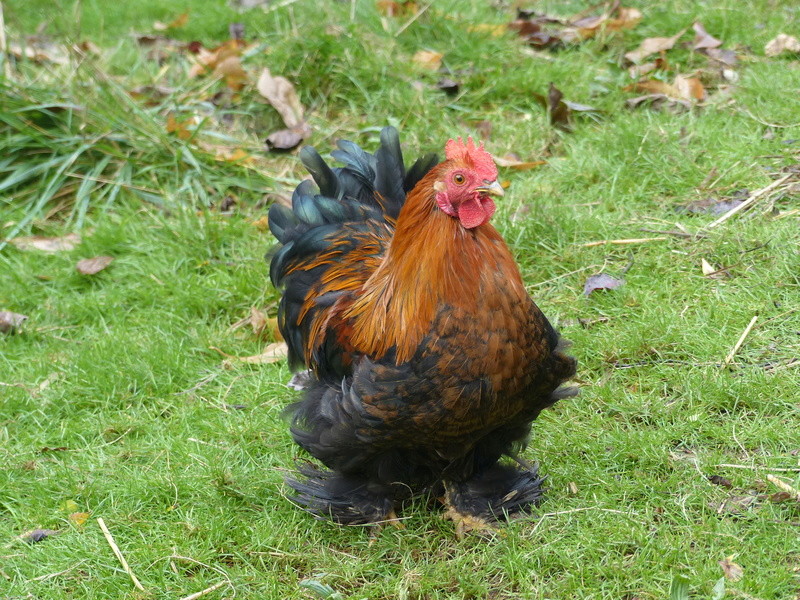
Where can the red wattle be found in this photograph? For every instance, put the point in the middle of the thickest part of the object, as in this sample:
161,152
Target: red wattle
475,211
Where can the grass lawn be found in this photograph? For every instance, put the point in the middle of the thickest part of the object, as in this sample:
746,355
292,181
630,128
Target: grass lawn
114,403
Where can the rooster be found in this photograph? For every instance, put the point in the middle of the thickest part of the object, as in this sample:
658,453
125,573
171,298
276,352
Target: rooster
428,360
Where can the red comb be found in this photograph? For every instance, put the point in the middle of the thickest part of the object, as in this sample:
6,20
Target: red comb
479,158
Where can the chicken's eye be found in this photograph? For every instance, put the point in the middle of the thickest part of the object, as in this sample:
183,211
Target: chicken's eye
459,179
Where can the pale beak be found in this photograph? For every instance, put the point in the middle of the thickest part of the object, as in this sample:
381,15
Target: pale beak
492,188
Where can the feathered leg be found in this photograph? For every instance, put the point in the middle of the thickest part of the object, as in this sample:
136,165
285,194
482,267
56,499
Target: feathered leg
500,492
343,499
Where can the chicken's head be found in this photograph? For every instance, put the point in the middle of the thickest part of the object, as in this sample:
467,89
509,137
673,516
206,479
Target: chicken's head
467,182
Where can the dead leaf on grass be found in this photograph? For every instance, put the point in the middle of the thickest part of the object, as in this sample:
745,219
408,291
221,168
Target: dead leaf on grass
688,89
448,86
659,102
403,8
702,39
90,266
37,535
231,70
559,110
730,569
737,504
272,353
281,94
208,60
10,322
428,59
513,162
601,281
50,245
178,22
782,44
719,480
653,45
78,518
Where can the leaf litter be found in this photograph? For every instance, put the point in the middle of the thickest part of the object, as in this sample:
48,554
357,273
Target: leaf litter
11,321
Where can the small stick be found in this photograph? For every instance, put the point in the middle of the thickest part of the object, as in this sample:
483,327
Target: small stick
118,554
739,342
627,241
680,234
749,202
414,18
785,487
208,590
757,467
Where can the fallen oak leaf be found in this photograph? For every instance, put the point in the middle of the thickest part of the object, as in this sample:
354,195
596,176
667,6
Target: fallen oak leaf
689,88
659,102
653,45
91,266
10,321
47,244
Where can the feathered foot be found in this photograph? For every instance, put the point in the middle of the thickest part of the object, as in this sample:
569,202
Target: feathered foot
343,499
499,493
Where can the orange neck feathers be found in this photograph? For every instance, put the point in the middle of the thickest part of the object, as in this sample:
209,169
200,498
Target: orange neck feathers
432,262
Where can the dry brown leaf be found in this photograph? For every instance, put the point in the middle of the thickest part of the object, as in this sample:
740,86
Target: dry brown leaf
782,43
179,128
281,94
206,60
428,59
258,321
78,518
624,18
512,162
653,45
405,8
653,86
10,322
272,353
232,71
47,244
287,139
262,224
39,53
90,266
178,22
702,39
730,569
689,88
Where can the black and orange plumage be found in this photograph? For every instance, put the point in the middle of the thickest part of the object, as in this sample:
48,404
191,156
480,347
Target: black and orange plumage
429,359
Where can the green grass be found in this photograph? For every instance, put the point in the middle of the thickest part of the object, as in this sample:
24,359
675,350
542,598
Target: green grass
111,398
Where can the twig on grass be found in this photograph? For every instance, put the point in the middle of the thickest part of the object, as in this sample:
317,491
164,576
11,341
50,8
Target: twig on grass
208,590
785,487
739,342
118,554
680,234
622,242
202,564
64,572
759,467
750,200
